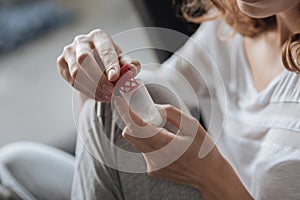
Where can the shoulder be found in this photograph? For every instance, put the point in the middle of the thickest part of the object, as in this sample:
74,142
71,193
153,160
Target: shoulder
222,45
215,32
214,37
218,39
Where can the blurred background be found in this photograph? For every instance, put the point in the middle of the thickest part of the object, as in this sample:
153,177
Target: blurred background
35,102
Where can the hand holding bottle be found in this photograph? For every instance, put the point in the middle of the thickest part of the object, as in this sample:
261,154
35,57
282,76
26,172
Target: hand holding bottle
91,63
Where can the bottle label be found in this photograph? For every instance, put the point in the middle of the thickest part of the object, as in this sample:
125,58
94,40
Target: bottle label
129,85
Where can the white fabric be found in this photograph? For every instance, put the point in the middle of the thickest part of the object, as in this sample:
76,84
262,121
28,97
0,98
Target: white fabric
261,134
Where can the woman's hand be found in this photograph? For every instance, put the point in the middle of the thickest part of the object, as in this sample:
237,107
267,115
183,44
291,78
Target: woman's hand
92,63
175,156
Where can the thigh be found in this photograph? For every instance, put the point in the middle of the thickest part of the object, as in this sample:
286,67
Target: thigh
94,178
101,162
142,186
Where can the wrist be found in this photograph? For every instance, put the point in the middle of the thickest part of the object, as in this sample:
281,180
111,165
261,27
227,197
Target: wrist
233,187
223,183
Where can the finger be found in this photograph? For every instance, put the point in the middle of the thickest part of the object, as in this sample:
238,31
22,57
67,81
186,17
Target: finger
131,119
155,137
138,127
90,67
137,64
134,65
98,97
70,58
98,59
108,54
185,123
83,82
125,60
63,69
136,142
86,61
83,47
84,56
155,142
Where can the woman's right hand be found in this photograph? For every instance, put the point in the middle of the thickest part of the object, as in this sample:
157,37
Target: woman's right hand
91,63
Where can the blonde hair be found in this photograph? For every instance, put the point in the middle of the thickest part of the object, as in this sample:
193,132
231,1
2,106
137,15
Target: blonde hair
198,11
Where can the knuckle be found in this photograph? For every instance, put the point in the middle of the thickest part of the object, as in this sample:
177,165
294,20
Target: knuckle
107,51
152,173
82,58
126,132
74,73
169,107
58,61
80,38
97,32
136,62
68,48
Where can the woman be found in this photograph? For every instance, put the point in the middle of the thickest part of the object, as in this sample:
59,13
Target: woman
257,155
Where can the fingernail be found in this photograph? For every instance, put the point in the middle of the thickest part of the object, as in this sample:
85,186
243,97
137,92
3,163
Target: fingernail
111,73
117,101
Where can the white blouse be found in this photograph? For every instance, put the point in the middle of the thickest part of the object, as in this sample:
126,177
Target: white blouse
260,131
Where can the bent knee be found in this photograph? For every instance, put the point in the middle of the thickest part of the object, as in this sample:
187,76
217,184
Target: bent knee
18,153
11,153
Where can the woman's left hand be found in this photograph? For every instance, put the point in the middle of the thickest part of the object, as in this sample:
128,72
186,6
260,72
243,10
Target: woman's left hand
174,156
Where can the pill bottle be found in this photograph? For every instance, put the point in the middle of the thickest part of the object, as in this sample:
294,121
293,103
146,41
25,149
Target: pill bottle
136,95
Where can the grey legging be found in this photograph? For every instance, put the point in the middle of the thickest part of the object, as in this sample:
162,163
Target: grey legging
40,172
94,180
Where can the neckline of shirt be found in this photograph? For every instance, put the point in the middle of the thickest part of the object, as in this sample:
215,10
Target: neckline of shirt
248,75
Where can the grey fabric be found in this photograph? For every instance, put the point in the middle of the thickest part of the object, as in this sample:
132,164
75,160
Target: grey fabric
34,171
95,180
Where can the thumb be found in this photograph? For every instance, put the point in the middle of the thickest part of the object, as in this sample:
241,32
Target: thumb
187,125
